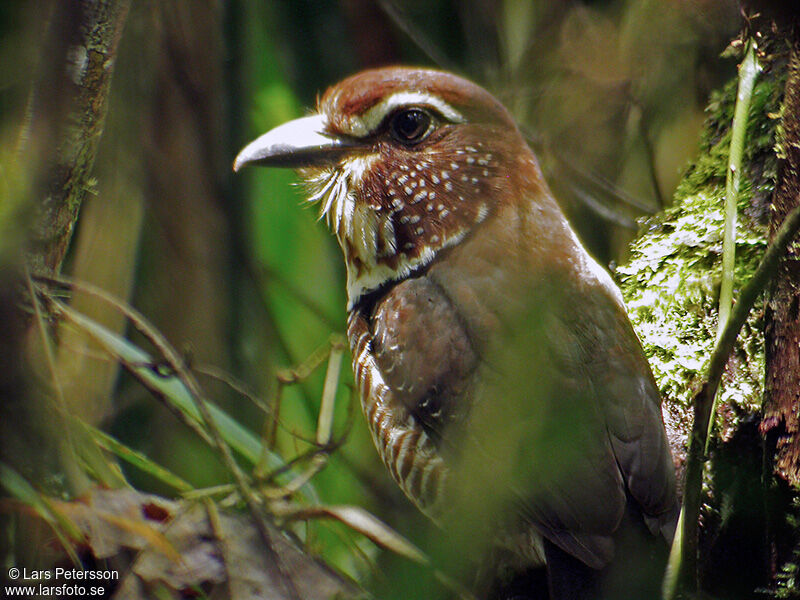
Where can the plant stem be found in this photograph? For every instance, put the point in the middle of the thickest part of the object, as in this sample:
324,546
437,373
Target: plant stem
747,76
748,71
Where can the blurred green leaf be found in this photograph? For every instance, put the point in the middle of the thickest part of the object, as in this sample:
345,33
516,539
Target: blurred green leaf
138,460
23,491
144,368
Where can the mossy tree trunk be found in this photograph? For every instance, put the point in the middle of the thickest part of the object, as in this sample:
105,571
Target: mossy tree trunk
66,116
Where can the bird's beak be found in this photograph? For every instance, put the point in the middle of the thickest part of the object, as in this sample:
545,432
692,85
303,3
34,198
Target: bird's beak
299,143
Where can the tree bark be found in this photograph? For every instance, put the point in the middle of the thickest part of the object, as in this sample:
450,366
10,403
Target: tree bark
65,119
782,326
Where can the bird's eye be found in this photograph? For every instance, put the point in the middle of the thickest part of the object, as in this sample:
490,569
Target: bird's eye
411,125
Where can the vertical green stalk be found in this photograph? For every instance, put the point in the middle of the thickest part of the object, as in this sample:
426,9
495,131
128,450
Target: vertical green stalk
748,71
682,575
747,76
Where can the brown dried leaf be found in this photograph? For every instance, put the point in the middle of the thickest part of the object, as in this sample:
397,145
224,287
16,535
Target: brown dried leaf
112,520
181,549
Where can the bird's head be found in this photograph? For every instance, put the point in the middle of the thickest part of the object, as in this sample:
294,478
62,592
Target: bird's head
404,163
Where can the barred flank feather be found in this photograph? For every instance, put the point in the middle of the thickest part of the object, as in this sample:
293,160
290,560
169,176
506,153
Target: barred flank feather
405,448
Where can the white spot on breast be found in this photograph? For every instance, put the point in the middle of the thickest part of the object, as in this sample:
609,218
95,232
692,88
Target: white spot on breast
407,190
435,179
448,186
402,179
357,167
454,166
420,196
470,160
419,231
432,195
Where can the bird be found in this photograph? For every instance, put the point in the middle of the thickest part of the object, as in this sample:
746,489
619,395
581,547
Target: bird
502,382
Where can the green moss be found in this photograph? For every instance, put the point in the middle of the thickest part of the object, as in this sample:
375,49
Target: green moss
671,283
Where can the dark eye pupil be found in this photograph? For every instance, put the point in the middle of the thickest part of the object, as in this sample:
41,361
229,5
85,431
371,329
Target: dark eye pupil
410,125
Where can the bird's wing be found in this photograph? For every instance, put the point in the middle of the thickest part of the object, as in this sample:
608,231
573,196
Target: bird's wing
537,436
582,426
565,423
521,451
608,354
631,405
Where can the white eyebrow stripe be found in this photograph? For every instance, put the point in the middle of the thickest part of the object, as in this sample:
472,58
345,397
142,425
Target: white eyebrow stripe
363,125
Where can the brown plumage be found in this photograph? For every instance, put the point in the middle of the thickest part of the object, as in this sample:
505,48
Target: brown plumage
493,355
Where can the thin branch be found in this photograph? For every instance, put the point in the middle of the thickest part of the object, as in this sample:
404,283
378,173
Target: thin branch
240,387
325,421
256,277
295,292
271,410
402,20
286,377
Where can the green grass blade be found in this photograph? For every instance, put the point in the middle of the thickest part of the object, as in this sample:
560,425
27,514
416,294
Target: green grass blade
139,460
142,366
